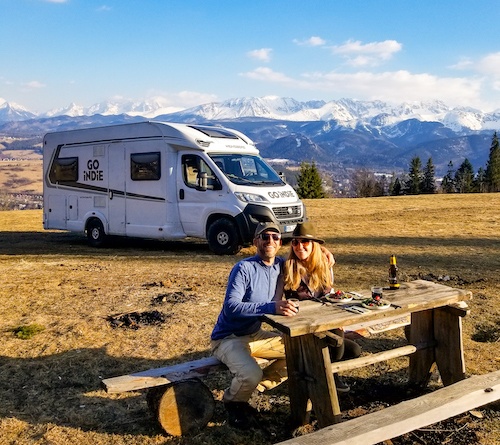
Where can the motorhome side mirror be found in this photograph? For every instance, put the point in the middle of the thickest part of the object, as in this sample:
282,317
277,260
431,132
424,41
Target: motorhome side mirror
202,181
282,176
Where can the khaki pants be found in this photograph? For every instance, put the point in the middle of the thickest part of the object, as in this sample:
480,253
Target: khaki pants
238,354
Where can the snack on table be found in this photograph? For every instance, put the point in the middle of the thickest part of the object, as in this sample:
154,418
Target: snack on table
379,303
338,296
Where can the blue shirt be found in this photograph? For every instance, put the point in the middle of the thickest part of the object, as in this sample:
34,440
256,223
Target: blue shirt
251,291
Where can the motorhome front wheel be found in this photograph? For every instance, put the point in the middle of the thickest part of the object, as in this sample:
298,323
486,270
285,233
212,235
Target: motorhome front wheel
223,238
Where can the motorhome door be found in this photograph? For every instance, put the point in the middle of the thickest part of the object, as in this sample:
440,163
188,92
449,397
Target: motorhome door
117,189
199,194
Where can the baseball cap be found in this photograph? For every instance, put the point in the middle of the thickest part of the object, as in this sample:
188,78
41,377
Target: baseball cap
264,226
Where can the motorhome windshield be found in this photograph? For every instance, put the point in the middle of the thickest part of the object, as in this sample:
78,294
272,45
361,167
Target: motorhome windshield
250,170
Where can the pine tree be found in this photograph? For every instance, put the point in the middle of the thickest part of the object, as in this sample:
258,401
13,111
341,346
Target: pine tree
429,181
414,182
480,181
464,177
493,166
448,184
309,183
396,188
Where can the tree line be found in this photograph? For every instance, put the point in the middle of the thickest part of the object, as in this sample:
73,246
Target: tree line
419,179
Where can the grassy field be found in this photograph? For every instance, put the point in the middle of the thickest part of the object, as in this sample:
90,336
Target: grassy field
23,175
65,290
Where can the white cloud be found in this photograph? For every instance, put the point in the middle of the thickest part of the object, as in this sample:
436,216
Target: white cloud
181,99
34,84
311,41
104,8
358,54
262,54
464,63
390,86
490,65
267,75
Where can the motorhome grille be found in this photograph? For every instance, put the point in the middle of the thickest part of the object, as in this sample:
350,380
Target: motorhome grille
287,212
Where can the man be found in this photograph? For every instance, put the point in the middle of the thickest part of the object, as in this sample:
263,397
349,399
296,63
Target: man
254,288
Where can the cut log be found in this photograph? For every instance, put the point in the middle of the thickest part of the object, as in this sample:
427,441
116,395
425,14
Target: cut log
182,408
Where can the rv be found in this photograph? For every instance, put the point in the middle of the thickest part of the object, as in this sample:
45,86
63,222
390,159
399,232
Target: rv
163,181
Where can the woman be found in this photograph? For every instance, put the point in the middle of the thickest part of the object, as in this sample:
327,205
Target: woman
307,275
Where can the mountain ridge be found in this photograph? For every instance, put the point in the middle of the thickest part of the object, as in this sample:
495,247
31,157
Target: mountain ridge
348,112
341,134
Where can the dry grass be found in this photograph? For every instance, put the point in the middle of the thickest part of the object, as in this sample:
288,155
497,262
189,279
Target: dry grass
49,384
21,176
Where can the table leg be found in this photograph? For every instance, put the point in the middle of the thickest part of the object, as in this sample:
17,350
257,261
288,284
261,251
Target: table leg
310,377
421,333
449,347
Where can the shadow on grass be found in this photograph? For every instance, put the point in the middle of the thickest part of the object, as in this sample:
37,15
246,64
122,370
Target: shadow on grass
65,243
65,389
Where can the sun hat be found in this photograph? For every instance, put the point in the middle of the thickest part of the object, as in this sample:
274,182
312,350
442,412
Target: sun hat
306,231
264,226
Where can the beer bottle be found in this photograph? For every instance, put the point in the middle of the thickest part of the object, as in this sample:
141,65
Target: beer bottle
393,273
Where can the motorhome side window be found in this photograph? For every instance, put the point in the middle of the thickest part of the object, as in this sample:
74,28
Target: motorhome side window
192,166
145,166
64,170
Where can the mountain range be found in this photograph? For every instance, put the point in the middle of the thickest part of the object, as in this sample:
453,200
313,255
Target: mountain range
339,134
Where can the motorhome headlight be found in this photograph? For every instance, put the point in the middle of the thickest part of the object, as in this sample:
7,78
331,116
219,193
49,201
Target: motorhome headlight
250,197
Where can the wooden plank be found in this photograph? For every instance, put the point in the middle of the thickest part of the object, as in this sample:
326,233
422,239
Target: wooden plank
409,415
460,309
414,296
371,327
359,362
321,385
449,348
300,405
166,375
421,332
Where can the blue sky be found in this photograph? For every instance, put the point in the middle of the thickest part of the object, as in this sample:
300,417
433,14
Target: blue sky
188,52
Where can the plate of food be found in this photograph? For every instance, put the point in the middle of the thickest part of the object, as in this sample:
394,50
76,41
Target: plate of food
338,296
371,303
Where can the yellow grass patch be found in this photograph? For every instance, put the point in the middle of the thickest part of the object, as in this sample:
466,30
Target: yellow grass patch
50,384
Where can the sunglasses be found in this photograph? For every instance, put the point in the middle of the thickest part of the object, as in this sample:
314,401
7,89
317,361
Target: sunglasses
268,236
304,242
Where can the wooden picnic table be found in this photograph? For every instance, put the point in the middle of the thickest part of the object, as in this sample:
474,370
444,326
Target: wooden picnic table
435,337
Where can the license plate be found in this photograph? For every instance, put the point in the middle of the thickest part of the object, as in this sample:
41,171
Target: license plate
288,229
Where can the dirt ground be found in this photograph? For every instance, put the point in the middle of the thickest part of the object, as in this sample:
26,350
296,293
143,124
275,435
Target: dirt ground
140,304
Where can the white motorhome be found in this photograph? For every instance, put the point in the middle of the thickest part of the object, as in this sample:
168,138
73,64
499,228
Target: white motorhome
165,181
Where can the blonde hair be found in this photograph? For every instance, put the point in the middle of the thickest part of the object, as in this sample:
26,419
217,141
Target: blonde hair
314,267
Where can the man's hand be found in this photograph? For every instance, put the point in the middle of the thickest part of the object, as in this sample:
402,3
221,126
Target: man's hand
329,256
287,308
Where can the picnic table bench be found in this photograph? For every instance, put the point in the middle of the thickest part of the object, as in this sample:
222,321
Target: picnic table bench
183,404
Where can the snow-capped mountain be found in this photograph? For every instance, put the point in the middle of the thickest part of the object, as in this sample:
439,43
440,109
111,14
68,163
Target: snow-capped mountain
13,112
147,109
346,112
342,133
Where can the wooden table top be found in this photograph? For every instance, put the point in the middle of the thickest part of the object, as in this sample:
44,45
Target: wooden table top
411,297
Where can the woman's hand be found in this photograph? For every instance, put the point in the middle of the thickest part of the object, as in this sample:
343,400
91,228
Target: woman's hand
287,308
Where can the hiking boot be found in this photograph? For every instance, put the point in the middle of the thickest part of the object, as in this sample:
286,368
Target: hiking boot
241,415
340,385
